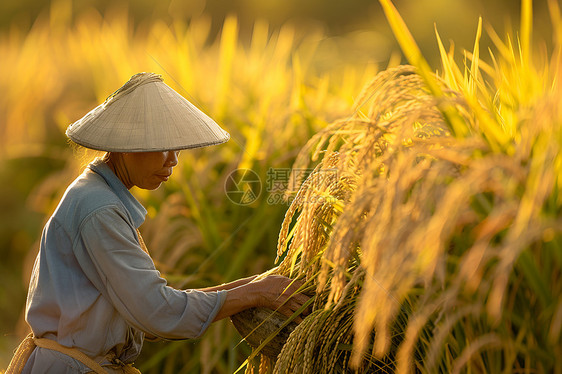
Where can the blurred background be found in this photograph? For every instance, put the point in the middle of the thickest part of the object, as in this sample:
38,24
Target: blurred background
270,72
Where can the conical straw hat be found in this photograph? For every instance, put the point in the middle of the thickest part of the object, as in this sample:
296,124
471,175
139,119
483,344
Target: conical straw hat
145,115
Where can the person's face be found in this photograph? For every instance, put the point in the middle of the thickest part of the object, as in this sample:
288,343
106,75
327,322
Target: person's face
147,170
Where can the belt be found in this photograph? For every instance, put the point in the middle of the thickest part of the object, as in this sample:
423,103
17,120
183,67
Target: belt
27,346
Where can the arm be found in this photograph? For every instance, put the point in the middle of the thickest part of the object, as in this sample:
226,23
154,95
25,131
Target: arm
229,286
111,258
126,275
274,292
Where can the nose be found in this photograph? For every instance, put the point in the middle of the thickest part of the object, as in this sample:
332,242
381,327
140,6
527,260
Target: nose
172,158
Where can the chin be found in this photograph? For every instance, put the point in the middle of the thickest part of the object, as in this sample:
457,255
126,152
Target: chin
150,187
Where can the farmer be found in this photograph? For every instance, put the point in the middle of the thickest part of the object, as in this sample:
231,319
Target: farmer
94,293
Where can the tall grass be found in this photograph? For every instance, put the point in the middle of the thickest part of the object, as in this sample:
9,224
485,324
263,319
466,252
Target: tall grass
431,228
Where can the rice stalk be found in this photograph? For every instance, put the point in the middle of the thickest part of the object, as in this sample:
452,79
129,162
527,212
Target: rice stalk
447,243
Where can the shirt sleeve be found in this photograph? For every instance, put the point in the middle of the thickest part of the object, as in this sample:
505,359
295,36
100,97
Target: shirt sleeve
128,278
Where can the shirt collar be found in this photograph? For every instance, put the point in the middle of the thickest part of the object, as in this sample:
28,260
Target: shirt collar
136,210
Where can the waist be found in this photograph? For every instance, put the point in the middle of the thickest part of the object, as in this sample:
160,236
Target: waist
102,345
109,363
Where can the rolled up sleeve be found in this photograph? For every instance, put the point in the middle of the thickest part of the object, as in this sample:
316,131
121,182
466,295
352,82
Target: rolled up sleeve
126,275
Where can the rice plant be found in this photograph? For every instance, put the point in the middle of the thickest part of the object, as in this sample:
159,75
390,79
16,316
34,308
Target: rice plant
430,228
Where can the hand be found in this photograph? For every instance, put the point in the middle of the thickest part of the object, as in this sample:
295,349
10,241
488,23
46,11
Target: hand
280,293
273,291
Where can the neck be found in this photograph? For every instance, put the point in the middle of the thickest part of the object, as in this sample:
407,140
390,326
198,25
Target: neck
117,165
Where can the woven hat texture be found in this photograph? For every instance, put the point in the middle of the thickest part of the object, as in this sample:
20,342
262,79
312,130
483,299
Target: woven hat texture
146,115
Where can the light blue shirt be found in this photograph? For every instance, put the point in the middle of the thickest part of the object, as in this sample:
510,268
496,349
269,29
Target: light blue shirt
95,289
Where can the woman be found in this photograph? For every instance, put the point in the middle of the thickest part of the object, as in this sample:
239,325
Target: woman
94,293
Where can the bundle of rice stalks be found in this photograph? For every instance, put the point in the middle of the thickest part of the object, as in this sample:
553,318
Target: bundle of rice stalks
320,236
371,191
430,227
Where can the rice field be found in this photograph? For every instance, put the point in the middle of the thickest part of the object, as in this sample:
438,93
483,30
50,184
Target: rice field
420,203
430,227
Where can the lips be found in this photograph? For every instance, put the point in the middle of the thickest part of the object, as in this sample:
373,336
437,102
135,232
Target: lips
164,174
164,177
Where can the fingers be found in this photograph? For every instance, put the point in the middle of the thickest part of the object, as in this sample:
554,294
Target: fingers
291,307
282,294
292,287
290,300
301,298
